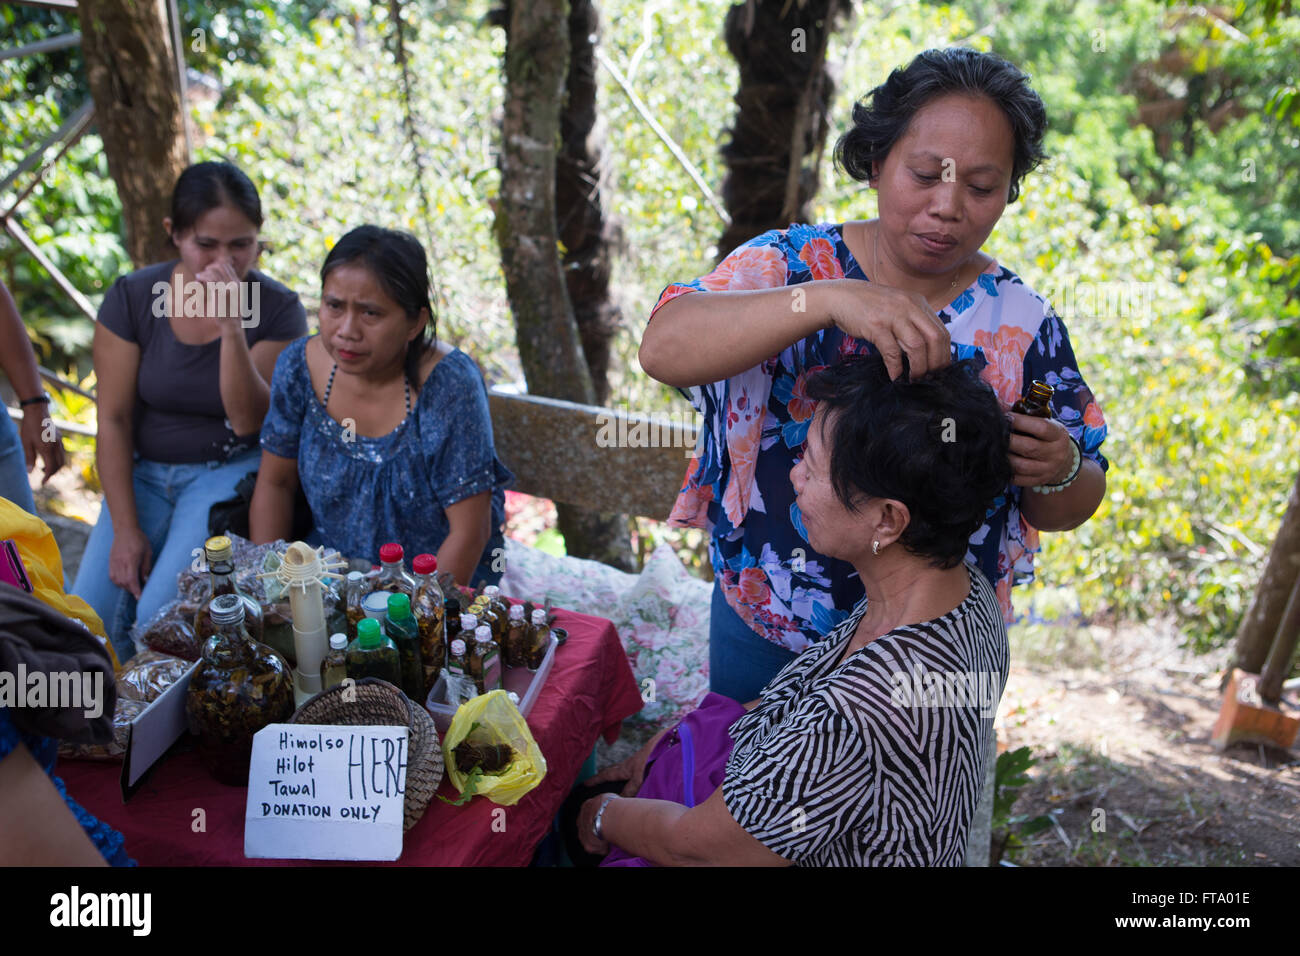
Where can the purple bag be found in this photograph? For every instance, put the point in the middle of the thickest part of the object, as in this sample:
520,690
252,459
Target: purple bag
688,763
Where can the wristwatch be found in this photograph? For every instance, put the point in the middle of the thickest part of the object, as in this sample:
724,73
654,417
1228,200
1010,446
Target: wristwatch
41,399
595,827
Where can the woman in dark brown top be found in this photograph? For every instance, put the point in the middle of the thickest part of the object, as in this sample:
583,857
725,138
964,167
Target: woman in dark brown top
184,352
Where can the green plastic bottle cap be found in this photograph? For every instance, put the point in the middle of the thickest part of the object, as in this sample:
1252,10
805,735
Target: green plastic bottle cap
368,634
399,606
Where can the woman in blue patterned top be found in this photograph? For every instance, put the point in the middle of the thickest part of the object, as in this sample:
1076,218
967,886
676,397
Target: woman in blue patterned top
386,428
945,143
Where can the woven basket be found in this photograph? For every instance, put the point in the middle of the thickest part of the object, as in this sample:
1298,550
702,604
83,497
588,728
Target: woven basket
379,703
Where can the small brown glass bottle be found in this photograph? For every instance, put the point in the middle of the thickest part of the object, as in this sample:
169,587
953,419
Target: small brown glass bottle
1037,401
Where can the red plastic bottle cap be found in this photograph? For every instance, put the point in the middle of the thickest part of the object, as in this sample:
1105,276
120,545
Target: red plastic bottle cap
425,564
391,553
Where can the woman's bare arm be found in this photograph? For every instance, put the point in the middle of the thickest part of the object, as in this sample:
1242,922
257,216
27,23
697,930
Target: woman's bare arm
270,516
471,527
669,834
38,827
704,337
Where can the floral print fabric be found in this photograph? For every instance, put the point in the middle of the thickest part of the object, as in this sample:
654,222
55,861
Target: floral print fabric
738,486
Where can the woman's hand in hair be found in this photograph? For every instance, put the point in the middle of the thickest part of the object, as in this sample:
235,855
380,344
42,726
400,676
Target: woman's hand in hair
895,321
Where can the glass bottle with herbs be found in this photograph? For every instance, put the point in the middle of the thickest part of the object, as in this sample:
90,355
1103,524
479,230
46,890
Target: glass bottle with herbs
373,655
458,658
485,661
482,609
355,589
239,687
334,668
513,654
539,640
501,608
220,555
401,629
428,607
450,620
392,572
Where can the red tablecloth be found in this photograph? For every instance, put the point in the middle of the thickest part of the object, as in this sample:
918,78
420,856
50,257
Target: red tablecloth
589,691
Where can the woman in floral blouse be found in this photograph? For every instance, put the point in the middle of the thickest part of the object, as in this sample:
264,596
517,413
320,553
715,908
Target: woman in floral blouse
945,143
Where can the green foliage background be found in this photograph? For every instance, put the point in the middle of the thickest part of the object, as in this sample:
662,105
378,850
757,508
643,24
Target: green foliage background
1175,270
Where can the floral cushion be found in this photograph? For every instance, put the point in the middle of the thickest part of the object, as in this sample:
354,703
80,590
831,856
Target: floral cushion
661,615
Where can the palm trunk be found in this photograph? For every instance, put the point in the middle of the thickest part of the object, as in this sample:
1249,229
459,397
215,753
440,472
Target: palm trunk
781,121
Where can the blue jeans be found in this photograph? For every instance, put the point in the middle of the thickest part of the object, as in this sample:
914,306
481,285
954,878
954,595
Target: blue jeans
171,503
741,663
13,467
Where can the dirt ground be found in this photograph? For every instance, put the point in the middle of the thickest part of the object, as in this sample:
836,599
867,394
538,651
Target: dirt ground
1119,721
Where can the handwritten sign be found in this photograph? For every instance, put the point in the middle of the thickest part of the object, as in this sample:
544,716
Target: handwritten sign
326,792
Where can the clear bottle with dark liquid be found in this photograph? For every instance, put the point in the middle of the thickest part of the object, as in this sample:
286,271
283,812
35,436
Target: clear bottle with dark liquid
374,655
354,592
539,640
428,606
334,668
392,572
501,609
219,552
513,652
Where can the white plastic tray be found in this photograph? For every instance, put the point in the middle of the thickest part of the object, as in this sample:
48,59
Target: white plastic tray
521,680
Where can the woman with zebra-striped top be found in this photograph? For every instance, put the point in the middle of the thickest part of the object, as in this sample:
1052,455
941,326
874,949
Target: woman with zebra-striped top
867,749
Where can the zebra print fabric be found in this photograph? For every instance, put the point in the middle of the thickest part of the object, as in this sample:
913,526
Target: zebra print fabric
879,760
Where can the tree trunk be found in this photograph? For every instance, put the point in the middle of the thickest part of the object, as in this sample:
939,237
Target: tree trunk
1260,625
537,61
781,122
587,236
131,71
588,242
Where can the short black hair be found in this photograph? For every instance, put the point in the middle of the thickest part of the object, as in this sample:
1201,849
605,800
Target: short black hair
882,117
937,443
206,186
398,263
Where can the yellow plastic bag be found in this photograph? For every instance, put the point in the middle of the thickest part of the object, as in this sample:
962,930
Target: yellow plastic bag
492,719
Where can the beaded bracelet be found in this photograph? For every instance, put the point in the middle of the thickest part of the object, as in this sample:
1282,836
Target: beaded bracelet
1074,472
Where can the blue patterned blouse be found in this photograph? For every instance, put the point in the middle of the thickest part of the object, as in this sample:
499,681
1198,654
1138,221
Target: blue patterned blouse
44,750
365,492
738,484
